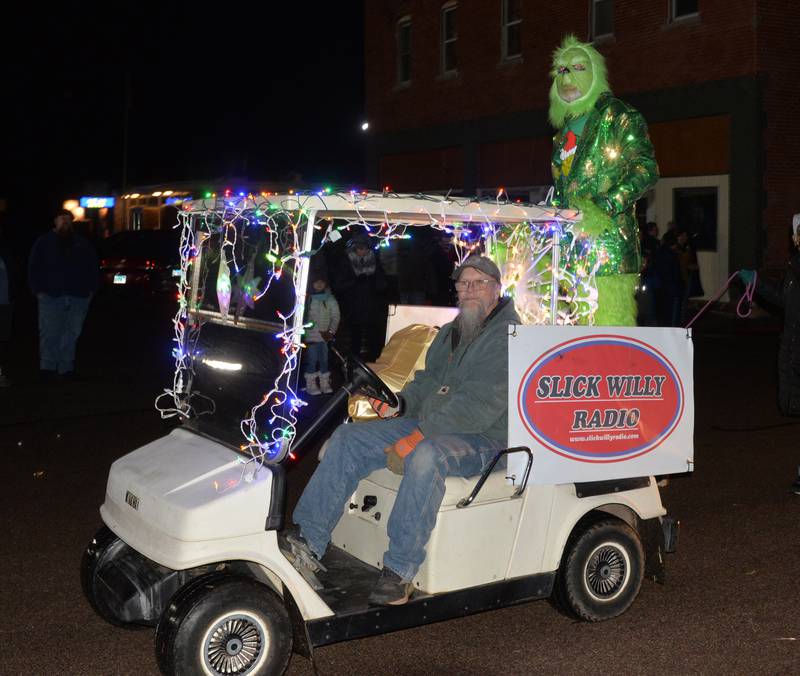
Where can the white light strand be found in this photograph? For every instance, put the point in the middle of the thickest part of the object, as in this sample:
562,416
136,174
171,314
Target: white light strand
520,249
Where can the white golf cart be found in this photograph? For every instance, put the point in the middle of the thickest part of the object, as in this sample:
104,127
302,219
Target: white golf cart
190,541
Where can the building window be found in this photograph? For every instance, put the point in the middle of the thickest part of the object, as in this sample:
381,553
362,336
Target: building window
512,29
602,18
404,50
683,8
695,210
449,38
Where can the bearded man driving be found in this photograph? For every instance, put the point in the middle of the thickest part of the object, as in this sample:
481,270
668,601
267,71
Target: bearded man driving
451,421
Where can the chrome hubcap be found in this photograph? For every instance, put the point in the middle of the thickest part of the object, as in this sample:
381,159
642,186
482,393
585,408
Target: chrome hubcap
234,645
606,571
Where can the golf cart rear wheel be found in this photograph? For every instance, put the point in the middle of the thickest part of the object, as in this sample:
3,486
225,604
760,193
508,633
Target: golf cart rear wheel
224,624
601,572
104,547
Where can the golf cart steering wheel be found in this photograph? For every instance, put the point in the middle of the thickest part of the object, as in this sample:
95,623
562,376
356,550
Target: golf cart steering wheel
360,378
363,379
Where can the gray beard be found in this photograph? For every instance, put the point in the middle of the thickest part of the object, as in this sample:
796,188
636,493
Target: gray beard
468,322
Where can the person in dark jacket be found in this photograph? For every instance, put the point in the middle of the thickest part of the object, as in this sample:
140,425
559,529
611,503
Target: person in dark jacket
787,296
63,275
360,286
451,421
669,291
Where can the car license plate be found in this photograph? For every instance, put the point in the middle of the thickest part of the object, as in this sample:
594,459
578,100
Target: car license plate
120,279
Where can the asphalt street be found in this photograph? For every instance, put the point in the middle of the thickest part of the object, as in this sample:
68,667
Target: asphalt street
730,604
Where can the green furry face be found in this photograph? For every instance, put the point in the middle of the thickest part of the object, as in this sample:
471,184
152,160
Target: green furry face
574,75
579,77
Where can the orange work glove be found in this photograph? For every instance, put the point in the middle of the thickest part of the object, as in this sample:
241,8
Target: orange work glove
397,452
382,408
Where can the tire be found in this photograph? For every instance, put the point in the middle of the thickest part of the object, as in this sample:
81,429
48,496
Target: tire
104,547
224,624
601,571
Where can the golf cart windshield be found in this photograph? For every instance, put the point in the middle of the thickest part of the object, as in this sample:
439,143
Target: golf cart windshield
237,307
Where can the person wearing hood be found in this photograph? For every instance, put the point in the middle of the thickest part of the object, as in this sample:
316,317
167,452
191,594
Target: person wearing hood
603,162
360,285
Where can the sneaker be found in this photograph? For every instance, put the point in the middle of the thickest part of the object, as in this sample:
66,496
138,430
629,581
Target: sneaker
795,487
390,590
297,547
300,555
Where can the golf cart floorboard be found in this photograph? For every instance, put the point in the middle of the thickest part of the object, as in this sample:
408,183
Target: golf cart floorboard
348,583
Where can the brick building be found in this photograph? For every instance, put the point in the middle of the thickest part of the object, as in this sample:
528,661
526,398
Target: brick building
457,99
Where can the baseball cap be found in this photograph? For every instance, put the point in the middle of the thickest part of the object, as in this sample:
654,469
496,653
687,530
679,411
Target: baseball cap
481,263
359,239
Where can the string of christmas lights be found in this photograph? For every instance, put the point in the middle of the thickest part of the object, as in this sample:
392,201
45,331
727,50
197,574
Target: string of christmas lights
257,239
524,254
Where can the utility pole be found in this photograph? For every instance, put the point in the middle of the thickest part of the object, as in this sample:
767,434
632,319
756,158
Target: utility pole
125,124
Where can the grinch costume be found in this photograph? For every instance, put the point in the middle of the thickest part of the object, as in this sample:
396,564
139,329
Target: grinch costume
603,161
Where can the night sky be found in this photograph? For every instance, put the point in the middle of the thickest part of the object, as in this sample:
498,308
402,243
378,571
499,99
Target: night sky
259,91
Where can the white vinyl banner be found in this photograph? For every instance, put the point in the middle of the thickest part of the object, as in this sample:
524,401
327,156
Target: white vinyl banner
596,403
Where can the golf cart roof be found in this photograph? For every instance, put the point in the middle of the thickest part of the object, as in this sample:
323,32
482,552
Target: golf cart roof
419,209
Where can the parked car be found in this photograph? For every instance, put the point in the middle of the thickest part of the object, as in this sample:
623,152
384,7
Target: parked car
140,262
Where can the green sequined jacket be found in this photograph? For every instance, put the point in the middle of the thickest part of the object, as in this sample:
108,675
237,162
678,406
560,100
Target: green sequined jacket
613,166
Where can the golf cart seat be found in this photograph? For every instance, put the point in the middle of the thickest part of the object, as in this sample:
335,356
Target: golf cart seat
497,486
402,356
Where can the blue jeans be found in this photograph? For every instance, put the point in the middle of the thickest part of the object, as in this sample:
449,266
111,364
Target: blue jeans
355,451
316,358
60,323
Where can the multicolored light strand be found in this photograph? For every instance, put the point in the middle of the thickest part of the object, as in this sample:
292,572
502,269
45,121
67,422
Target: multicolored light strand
266,237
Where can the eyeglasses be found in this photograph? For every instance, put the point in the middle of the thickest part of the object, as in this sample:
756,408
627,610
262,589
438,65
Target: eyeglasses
477,284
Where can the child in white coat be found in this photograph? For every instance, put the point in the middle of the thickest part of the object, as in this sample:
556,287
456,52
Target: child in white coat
324,315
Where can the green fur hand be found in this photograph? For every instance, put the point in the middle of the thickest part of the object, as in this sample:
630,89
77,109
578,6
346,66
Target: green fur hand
595,220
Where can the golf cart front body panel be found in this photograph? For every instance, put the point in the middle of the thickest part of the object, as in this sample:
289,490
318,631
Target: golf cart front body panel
183,520
261,549
191,488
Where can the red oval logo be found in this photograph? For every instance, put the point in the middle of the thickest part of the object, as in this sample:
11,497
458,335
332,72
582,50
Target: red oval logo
601,398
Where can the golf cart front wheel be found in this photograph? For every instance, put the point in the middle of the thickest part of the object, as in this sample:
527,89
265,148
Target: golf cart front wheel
224,624
602,571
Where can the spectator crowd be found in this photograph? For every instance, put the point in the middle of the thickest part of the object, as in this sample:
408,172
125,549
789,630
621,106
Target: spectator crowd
670,276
